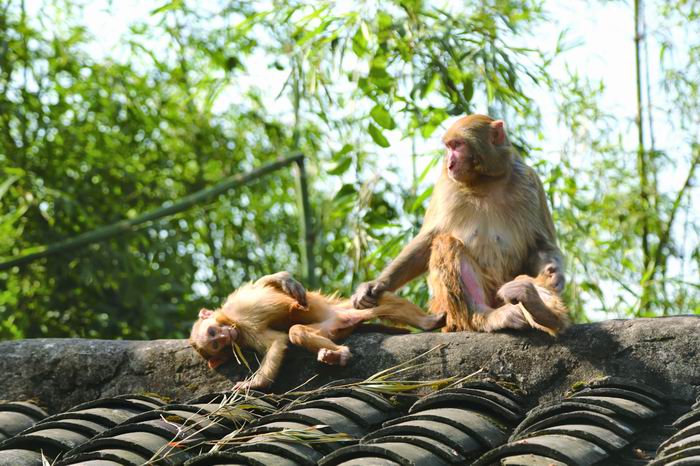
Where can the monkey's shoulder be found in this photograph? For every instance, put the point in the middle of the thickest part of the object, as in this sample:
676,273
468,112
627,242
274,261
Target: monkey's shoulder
525,177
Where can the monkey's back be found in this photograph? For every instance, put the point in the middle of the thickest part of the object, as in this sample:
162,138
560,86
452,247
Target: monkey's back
270,307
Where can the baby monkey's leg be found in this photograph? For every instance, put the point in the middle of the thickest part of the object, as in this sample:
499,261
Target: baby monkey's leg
315,339
402,311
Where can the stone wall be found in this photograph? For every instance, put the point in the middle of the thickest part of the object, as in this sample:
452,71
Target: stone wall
663,352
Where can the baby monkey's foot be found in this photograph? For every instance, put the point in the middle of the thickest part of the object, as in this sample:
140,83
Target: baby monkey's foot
339,357
434,321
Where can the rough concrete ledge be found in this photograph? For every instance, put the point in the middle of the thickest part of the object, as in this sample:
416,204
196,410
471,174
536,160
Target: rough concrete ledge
663,352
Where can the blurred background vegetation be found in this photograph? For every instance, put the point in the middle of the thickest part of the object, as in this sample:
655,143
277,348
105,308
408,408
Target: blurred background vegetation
363,90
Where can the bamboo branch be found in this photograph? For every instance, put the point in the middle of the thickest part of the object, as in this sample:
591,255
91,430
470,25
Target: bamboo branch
663,240
126,226
641,153
306,230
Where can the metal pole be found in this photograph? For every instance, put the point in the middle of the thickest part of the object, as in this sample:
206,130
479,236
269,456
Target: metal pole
125,226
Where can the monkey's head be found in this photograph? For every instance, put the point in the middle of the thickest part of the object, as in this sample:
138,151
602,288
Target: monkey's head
477,150
212,337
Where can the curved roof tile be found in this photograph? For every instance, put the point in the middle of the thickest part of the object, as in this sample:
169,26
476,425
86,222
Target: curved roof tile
480,422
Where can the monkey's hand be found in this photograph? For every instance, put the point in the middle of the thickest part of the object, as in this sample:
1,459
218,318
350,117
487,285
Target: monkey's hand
253,384
520,290
295,289
288,284
553,276
367,294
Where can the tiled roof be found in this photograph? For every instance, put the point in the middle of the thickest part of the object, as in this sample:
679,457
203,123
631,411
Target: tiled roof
18,416
683,447
610,421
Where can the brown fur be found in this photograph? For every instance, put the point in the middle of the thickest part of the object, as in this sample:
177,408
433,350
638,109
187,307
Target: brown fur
488,215
547,311
266,318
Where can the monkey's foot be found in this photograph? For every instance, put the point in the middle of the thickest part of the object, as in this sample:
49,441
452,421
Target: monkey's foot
508,316
434,321
338,357
534,324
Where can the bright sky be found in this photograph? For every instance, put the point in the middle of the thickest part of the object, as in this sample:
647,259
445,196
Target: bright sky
604,31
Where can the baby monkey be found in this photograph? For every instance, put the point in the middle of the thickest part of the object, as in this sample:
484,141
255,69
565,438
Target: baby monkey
266,314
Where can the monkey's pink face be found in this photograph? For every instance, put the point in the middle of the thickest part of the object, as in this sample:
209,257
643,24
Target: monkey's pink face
212,336
461,163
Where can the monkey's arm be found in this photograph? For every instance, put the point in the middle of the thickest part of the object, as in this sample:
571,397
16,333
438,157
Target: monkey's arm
546,260
275,344
411,262
284,282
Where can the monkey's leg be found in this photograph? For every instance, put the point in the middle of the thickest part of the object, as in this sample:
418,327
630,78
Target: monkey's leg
315,339
551,299
455,284
504,317
400,310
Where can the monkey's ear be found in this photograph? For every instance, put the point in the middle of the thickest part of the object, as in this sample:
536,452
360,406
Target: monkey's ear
205,313
498,133
218,360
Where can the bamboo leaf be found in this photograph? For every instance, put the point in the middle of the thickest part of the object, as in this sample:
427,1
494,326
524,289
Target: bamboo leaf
345,191
420,199
173,5
347,148
377,136
341,167
239,356
6,184
382,117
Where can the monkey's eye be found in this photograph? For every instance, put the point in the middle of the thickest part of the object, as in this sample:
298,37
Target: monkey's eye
215,345
211,332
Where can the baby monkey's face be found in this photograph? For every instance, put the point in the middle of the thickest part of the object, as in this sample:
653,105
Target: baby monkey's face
212,337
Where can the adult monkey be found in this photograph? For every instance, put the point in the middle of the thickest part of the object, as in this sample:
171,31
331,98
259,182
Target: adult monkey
487,238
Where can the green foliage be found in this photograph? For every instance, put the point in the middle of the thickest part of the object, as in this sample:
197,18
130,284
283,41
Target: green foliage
86,143
598,191
364,72
88,140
